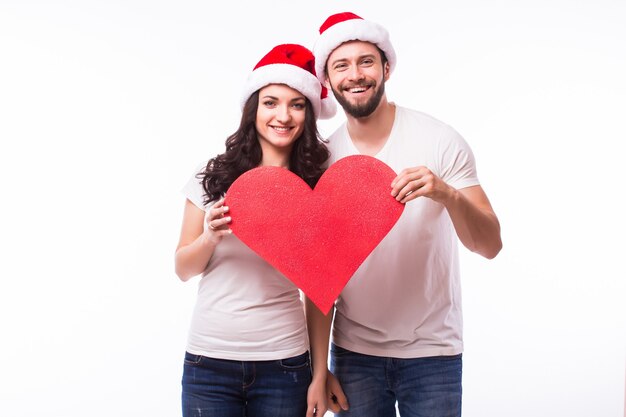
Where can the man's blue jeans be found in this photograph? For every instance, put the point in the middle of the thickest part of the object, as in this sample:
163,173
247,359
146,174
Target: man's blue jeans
225,388
422,387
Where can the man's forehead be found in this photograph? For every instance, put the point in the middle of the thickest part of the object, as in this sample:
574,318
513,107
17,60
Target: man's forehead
352,49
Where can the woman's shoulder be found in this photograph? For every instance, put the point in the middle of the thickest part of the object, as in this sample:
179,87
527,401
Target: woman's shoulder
193,189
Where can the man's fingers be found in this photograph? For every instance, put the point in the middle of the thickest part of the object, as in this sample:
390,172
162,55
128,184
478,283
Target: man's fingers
342,401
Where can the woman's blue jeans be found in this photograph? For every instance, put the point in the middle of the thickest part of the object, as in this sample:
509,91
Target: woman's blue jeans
422,387
226,388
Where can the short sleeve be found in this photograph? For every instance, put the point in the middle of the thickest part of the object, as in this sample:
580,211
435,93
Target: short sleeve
458,166
193,189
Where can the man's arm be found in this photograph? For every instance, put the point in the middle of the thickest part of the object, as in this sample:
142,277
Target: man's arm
474,220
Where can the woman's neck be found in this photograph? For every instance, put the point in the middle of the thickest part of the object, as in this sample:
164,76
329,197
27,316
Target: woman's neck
275,160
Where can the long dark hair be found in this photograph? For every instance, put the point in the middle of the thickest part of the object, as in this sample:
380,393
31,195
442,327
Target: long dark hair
243,152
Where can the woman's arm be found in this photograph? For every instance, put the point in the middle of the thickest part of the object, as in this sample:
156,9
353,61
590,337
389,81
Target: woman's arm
325,392
318,327
196,245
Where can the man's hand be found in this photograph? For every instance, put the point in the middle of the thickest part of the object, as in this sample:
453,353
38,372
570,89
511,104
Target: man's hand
420,182
337,400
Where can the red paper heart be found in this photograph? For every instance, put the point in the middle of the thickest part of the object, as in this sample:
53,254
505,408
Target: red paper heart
317,238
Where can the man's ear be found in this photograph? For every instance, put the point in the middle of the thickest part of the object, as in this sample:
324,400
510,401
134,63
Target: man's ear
386,70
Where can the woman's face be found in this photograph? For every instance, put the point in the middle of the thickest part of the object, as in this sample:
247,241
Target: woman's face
279,118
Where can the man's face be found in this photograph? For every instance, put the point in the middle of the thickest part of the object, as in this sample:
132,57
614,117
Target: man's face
357,76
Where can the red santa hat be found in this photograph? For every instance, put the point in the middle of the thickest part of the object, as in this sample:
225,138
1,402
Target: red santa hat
344,27
293,65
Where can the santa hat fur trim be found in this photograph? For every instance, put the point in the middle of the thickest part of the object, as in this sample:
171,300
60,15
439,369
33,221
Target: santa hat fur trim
344,27
293,65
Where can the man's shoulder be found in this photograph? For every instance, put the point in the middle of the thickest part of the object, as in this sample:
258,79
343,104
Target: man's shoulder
338,132
426,125
337,137
420,116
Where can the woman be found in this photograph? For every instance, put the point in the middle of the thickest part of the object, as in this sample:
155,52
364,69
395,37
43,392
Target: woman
247,351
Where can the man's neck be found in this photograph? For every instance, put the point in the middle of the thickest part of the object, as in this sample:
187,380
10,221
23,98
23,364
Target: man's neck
369,134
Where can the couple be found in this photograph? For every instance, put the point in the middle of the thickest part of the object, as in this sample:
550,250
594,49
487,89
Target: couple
253,350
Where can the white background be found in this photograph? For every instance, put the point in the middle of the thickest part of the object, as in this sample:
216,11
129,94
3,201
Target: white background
107,106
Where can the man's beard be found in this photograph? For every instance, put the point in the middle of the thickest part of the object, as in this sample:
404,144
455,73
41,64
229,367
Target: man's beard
360,110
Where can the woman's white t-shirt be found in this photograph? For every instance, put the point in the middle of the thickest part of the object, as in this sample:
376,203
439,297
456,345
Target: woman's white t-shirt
245,309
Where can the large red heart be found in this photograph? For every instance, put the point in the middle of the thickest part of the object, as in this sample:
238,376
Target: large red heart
317,238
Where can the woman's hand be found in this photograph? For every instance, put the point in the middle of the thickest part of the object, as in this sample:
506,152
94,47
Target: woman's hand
217,222
316,398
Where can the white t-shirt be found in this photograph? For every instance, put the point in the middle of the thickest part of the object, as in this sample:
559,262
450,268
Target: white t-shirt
405,299
246,309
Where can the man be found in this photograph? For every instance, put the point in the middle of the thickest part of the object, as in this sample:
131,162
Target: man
397,330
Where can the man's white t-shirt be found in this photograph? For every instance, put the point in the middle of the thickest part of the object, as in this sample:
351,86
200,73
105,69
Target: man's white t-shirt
245,310
405,299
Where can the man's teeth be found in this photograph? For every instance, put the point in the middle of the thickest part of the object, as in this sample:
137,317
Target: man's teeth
357,89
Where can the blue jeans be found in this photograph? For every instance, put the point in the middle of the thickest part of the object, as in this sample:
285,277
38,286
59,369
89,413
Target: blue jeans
422,387
225,388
